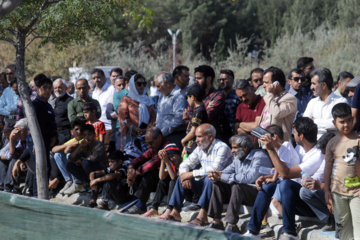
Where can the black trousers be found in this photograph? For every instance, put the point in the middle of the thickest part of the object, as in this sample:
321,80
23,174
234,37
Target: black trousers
236,194
164,186
146,184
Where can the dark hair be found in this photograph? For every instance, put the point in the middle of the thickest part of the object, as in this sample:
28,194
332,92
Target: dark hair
116,155
307,127
206,70
117,69
13,66
82,79
304,61
324,75
277,75
260,70
197,91
77,122
129,74
12,82
276,129
97,70
41,79
178,70
120,77
3,74
228,72
241,84
154,131
87,127
297,71
138,76
344,75
341,110
90,106
323,141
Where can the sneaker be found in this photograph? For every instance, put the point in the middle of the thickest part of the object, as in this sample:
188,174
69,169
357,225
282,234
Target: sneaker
232,229
217,226
330,225
134,210
287,236
66,187
249,234
92,204
264,226
75,187
103,206
191,207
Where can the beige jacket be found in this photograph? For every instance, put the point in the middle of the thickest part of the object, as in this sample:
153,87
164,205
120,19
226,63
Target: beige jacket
282,110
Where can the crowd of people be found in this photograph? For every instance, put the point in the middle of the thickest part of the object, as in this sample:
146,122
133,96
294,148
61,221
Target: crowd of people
291,141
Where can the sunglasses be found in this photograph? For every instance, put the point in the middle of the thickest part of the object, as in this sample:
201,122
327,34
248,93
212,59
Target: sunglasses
296,79
140,83
222,79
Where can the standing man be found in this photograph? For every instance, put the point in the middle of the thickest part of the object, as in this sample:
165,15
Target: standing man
102,92
306,64
226,80
75,105
61,110
319,108
114,73
170,109
182,78
256,80
296,78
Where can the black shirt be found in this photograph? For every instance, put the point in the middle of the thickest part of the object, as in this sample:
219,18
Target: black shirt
198,117
60,111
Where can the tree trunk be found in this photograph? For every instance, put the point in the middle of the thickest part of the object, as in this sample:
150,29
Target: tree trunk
40,152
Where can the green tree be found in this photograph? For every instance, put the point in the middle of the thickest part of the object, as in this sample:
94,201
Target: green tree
221,49
61,22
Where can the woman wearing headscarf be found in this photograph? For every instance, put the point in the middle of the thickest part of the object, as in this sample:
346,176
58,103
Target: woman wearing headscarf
136,110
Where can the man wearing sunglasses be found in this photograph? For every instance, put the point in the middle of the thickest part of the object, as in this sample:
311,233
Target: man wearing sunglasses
296,78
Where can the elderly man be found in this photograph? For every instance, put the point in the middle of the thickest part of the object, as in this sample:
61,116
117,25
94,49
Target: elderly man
232,184
170,110
143,172
181,76
249,111
102,92
212,154
319,108
75,106
280,106
61,110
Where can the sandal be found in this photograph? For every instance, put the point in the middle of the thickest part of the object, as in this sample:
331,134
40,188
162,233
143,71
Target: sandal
149,214
168,218
199,222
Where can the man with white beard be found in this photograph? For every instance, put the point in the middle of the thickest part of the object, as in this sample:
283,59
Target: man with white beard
212,154
235,184
61,110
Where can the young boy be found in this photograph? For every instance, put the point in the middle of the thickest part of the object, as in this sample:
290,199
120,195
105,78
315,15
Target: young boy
113,182
194,97
342,172
170,160
60,157
88,156
89,110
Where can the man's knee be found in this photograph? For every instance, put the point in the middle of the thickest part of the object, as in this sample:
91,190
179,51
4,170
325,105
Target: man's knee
306,194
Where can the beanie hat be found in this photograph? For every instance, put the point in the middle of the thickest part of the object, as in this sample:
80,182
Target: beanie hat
171,148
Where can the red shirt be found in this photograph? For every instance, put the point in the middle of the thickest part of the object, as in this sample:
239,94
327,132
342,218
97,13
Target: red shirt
99,129
246,114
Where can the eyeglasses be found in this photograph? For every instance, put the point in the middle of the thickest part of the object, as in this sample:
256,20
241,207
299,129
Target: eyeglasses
296,79
141,83
222,79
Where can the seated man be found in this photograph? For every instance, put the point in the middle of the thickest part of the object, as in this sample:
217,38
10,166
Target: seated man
143,172
212,154
232,185
305,132
87,157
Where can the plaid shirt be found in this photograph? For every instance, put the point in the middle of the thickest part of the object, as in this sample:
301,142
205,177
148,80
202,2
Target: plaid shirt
232,102
217,157
20,111
148,161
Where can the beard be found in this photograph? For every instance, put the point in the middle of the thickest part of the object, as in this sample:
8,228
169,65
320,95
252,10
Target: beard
241,154
59,95
204,144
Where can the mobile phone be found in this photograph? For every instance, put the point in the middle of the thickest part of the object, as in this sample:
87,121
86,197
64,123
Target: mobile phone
275,83
259,132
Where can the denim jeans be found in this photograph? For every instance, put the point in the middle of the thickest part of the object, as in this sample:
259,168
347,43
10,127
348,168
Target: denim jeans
61,161
316,201
82,172
203,187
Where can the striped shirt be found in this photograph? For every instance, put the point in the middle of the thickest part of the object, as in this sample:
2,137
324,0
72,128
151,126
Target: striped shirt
217,157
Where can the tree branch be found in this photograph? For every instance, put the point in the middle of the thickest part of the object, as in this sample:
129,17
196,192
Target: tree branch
9,40
7,6
30,41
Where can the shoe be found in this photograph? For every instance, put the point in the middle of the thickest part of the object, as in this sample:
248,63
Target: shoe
134,210
103,206
92,204
191,207
287,236
330,225
66,187
75,187
187,203
217,226
265,226
249,234
1,188
232,229
16,191
199,222
28,192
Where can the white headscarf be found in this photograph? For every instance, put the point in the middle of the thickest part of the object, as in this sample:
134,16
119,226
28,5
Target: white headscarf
144,116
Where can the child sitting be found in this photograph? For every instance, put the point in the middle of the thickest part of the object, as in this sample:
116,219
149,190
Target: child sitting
113,182
88,156
194,97
89,110
168,174
342,173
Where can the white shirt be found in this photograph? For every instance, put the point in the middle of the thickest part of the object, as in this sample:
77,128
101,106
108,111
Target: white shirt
153,91
321,112
311,161
107,91
289,156
319,174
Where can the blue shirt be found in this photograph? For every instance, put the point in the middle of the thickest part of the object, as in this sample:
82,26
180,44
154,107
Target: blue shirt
356,104
302,102
8,102
116,101
232,102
